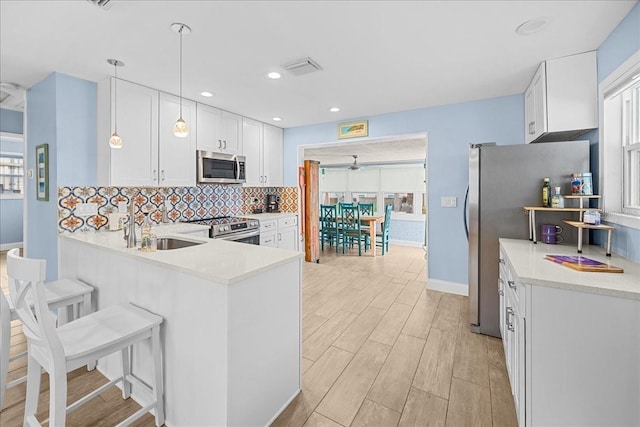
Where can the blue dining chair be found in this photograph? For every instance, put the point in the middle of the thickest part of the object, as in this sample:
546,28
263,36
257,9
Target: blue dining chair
382,238
351,231
366,208
328,225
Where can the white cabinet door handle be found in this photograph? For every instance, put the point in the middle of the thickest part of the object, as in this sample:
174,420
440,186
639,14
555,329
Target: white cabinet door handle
155,174
220,144
162,175
225,144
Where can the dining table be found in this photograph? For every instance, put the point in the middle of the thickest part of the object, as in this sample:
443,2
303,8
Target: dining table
371,221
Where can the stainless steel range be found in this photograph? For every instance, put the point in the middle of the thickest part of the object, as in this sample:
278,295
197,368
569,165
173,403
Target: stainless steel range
237,229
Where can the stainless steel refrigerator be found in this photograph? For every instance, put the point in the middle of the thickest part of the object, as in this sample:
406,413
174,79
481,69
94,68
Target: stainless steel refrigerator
502,180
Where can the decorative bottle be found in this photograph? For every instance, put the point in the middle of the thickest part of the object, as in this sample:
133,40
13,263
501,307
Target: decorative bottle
557,201
546,194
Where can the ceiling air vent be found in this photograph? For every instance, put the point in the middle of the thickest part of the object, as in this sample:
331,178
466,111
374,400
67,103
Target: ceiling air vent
302,66
104,4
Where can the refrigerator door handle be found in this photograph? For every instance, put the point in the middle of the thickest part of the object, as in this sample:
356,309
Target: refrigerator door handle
465,213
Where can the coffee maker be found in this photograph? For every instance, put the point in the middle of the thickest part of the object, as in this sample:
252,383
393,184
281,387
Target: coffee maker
272,203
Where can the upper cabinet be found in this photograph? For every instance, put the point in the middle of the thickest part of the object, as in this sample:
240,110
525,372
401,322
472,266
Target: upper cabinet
561,102
272,154
177,156
218,131
263,149
151,155
136,163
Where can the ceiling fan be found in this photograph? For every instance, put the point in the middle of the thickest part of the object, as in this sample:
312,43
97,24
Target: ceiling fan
355,166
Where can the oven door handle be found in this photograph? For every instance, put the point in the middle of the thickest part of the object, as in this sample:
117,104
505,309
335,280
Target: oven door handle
238,236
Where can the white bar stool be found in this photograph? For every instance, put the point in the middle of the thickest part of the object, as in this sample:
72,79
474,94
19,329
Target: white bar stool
63,349
60,294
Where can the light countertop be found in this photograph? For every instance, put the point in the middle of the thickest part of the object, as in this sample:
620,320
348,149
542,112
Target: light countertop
270,215
217,260
531,267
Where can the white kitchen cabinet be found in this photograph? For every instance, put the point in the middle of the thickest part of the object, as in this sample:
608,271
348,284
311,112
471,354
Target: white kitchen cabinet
561,102
151,155
288,233
208,129
231,133
136,163
572,339
177,156
263,149
269,233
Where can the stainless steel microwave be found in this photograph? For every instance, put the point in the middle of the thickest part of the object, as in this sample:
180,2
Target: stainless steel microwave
220,168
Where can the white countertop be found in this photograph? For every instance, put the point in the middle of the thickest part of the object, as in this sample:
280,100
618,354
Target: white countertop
270,215
217,260
529,264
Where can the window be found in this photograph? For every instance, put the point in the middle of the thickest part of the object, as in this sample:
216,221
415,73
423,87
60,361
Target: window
366,198
620,144
11,175
332,198
631,145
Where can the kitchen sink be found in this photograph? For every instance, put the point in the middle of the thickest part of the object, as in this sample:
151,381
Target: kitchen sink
166,243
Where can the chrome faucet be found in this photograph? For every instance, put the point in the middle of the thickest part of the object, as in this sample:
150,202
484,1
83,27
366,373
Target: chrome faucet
130,229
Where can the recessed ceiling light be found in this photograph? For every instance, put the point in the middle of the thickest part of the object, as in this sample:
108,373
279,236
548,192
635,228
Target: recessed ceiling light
334,109
206,94
277,119
274,75
533,26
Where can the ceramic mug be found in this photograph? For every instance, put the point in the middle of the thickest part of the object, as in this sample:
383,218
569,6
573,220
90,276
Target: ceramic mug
551,234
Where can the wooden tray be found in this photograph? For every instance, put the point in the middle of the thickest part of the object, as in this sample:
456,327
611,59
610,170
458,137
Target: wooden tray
582,263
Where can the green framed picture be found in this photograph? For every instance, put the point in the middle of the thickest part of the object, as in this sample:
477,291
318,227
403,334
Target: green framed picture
42,172
353,129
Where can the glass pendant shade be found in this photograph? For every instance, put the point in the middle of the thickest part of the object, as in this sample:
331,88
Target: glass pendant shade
180,128
115,141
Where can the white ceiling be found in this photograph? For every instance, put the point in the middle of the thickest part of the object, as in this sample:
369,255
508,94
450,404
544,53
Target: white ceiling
377,56
410,149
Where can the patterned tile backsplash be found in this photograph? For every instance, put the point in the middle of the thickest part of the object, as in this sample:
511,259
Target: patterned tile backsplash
183,203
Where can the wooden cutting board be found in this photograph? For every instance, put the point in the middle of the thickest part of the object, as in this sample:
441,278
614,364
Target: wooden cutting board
582,263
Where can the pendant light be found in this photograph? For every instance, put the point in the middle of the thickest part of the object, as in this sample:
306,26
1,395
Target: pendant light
180,128
115,141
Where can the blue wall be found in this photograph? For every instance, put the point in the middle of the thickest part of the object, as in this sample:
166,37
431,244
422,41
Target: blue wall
10,121
622,43
450,129
61,112
11,210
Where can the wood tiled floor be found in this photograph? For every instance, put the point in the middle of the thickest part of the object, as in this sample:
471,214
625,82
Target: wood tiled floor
378,350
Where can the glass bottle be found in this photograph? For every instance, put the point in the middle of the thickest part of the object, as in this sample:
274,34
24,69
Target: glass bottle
557,201
546,194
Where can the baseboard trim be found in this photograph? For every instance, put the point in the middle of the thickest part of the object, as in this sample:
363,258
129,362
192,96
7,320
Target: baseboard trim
448,287
405,243
9,246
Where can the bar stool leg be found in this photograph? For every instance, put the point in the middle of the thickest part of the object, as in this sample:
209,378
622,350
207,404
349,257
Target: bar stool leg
126,372
57,396
158,385
33,389
5,340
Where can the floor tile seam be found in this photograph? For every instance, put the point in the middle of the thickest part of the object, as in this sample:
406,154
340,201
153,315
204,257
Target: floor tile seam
471,382
368,336
380,404
337,377
415,371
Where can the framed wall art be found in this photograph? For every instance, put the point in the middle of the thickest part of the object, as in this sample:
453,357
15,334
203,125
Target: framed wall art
353,129
42,172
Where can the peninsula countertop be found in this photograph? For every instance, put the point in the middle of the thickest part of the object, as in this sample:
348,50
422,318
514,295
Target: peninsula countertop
221,261
531,267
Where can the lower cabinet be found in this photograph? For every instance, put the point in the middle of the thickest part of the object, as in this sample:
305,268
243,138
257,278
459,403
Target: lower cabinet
572,356
280,233
512,298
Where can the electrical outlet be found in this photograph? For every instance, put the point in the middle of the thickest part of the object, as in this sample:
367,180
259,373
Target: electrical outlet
448,202
86,209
